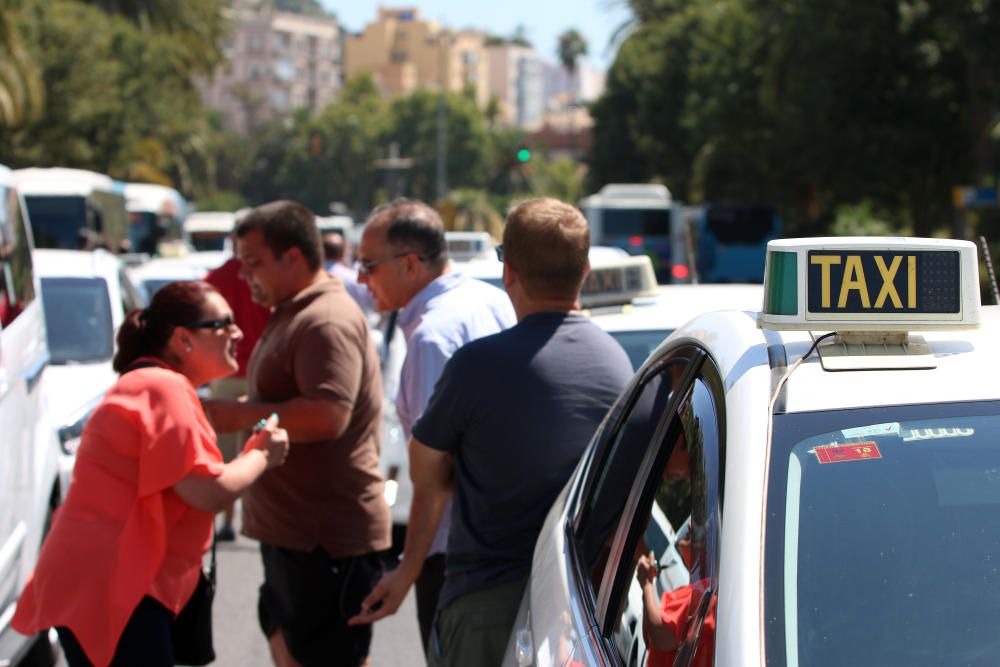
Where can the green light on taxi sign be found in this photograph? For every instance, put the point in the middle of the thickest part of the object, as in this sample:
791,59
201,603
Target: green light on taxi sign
870,284
782,284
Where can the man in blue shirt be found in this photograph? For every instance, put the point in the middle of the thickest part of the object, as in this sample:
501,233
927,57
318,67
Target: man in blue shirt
507,423
403,261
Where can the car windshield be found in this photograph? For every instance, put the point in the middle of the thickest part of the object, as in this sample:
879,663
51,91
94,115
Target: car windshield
883,537
153,285
205,241
78,320
56,221
640,344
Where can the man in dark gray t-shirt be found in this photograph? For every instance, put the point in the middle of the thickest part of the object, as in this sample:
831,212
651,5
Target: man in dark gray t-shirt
507,423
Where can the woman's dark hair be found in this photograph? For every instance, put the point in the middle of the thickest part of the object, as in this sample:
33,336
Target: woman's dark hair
145,332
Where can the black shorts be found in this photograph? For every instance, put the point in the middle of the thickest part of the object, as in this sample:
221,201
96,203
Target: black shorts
309,597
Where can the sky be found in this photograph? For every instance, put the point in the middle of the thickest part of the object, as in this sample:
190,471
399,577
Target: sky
544,20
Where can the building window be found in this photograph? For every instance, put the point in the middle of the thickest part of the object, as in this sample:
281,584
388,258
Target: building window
284,70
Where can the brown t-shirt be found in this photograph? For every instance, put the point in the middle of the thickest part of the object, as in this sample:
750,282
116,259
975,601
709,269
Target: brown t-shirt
329,493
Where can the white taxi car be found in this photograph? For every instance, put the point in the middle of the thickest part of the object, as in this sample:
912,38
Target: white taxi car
836,460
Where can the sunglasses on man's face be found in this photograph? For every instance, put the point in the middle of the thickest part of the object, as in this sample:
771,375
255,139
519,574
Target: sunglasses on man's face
223,323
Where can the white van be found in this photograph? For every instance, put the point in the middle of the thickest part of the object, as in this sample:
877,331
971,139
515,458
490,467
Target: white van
73,208
155,219
29,449
210,230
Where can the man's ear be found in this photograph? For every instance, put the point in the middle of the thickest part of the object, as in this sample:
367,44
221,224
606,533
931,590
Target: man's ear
294,255
509,276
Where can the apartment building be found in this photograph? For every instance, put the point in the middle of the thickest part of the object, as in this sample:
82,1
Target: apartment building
517,82
403,52
276,62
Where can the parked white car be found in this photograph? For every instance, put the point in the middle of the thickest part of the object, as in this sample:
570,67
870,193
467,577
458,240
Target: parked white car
835,458
29,451
85,303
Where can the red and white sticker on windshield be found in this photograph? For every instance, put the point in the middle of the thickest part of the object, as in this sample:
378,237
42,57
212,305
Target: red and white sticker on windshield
856,451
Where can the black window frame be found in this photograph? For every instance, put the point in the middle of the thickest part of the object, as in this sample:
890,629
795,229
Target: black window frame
699,366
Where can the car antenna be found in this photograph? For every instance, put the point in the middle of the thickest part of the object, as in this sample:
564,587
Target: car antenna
989,270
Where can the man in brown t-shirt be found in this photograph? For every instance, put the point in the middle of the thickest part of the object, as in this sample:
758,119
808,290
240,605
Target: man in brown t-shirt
323,518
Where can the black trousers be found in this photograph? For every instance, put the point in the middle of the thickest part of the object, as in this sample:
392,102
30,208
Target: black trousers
145,642
428,589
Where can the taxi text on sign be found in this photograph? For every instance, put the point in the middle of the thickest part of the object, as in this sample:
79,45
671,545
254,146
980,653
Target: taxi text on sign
859,281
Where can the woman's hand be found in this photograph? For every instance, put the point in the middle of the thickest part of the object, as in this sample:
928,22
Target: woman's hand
271,440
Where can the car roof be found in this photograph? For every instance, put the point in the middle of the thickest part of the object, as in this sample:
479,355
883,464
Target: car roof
210,221
674,305
51,263
959,357
174,268
61,181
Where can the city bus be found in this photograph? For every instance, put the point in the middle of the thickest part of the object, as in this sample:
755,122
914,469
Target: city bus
636,217
721,243
73,208
708,243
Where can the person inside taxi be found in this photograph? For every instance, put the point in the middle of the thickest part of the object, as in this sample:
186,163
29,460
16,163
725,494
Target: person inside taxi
322,521
125,550
666,620
506,424
440,310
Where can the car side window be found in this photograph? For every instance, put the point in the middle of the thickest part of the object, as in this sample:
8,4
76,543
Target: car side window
661,599
625,447
17,288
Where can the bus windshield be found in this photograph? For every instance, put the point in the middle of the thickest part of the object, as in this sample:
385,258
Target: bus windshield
56,221
619,222
883,537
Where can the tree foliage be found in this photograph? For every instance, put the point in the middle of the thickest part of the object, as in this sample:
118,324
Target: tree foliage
118,88
808,106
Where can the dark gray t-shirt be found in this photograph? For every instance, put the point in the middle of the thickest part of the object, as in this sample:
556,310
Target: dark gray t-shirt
517,410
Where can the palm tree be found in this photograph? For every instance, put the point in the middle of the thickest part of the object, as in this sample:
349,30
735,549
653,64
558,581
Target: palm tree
22,95
572,45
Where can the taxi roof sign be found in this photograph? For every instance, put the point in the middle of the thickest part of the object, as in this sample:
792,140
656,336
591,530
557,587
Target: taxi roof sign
870,284
617,280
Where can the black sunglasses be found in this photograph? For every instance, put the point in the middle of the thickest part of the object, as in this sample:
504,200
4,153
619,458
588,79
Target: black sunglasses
499,250
224,323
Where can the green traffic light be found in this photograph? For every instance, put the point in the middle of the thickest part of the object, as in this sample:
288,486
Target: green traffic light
524,155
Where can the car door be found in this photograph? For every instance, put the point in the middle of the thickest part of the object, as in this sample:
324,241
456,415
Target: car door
23,358
657,472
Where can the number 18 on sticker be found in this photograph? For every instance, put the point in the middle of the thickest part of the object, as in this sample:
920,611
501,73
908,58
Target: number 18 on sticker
856,451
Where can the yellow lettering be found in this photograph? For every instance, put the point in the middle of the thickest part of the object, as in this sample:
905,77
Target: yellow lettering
825,262
911,281
854,279
888,275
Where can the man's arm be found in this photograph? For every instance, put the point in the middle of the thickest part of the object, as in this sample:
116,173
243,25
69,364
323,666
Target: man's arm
431,471
305,419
